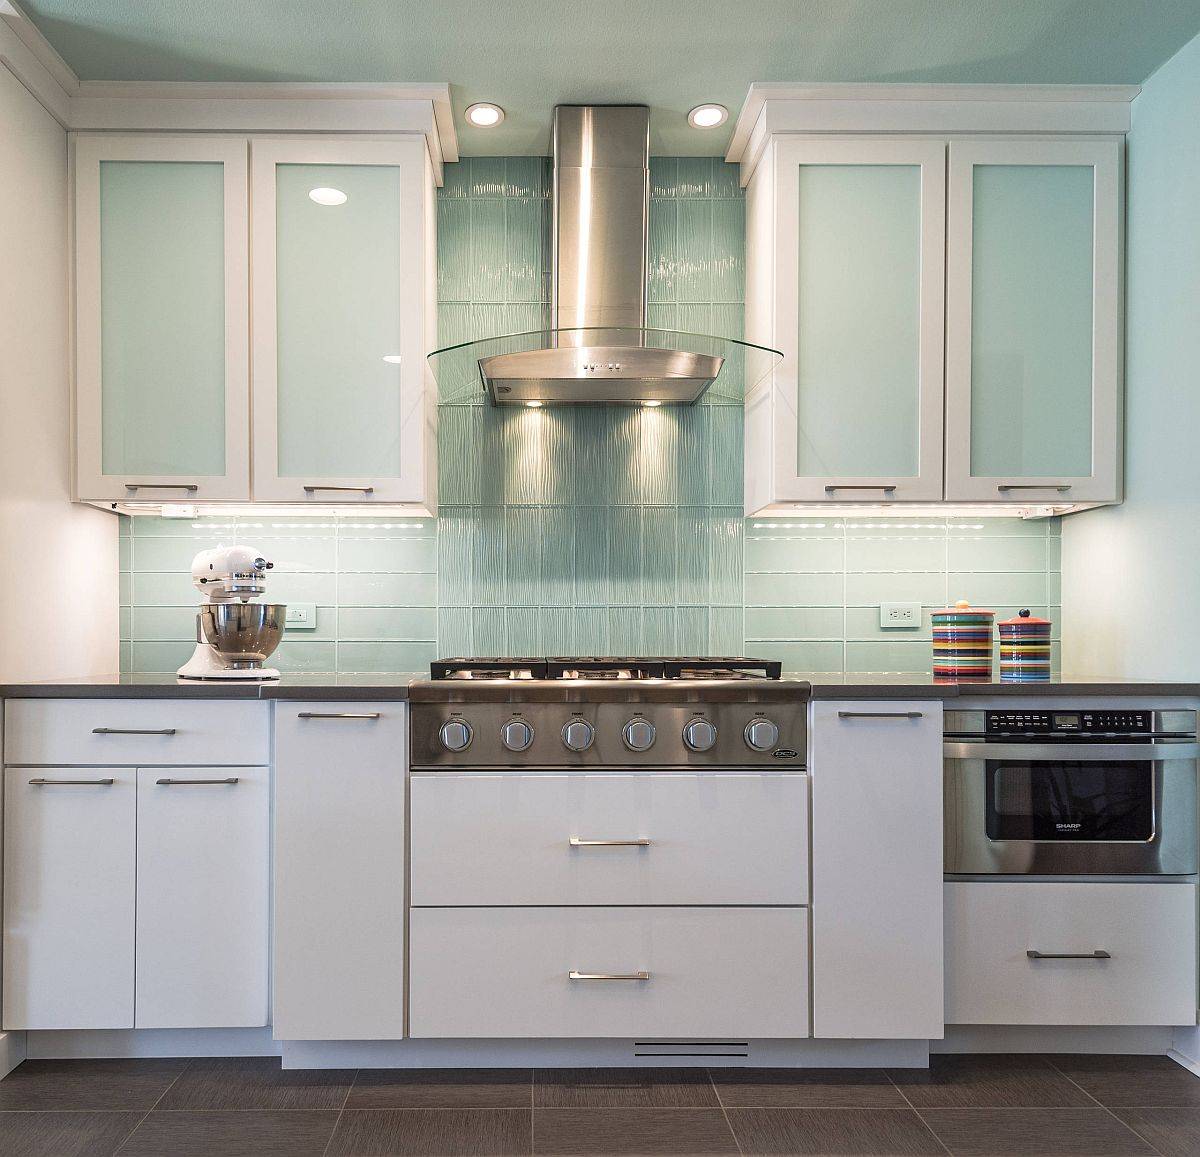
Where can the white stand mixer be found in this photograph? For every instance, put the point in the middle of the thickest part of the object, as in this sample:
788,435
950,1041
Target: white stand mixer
234,636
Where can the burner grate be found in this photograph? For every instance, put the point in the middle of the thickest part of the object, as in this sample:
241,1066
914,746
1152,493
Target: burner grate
614,667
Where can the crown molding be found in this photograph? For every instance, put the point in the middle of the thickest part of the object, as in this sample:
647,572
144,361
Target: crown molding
780,107
32,59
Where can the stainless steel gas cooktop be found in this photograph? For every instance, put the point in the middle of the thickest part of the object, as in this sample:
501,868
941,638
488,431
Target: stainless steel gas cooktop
607,712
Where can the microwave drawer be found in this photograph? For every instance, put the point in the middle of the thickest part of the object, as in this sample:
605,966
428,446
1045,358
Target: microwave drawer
1070,954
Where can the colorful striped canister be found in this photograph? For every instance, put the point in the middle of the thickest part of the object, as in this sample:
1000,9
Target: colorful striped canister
1025,649
962,642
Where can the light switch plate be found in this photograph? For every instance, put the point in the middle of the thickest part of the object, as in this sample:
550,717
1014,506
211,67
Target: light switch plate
900,615
301,617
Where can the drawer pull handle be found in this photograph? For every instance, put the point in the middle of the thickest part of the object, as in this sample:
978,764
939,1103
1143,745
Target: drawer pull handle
89,782
888,489
185,782
881,714
1099,954
641,842
133,730
133,487
573,975
352,489
1005,487
338,715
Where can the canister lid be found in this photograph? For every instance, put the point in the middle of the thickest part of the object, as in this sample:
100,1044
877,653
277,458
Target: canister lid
1025,619
963,607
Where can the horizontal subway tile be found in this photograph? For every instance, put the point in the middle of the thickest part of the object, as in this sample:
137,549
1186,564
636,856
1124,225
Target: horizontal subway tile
794,623
793,590
124,624
914,587
800,657
379,623
786,554
999,554
414,656
163,624
984,589
999,527
387,555
895,554
387,590
160,656
863,623
910,656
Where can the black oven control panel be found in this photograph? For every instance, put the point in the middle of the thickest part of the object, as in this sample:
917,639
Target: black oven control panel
1066,723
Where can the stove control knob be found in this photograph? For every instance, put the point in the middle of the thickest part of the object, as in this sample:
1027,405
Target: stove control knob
516,735
455,734
699,735
578,735
761,734
639,734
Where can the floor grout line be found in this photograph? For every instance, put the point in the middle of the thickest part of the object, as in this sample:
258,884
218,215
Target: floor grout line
724,1112
1067,1077
125,1141
907,1100
338,1119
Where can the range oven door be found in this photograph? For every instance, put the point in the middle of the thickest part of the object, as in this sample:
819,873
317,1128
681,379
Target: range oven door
1114,809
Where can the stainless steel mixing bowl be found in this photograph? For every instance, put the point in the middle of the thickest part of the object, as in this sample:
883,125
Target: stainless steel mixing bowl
243,634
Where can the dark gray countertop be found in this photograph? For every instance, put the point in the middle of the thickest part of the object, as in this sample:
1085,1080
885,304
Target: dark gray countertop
393,685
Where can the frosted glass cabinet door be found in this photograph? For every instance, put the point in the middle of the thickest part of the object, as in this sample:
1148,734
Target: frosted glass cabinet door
340,319
162,318
859,316
1033,361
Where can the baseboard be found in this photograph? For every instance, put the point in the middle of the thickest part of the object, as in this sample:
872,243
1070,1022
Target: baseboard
1152,1040
151,1042
12,1051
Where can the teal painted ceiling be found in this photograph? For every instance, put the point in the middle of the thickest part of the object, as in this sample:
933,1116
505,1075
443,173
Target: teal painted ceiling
528,55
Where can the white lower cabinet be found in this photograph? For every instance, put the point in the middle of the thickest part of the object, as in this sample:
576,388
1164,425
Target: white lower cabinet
338,961
69,897
505,838
876,771
643,972
1147,933
203,839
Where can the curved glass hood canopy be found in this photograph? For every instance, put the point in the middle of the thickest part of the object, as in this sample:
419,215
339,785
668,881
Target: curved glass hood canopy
600,365
598,349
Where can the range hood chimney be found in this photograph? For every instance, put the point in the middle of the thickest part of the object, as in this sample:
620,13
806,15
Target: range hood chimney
600,354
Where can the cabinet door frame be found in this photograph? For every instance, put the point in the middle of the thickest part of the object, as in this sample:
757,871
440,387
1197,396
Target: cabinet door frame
91,482
929,154
1104,156
409,155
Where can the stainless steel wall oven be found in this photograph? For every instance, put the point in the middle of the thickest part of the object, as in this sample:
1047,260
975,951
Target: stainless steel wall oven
1071,792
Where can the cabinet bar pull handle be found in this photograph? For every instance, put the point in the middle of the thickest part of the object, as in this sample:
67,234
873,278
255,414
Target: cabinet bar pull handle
133,730
89,782
881,714
641,842
354,489
1099,954
190,487
573,975
184,782
337,715
886,489
1059,488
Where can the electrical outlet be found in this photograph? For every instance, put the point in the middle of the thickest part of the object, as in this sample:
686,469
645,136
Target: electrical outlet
301,617
899,614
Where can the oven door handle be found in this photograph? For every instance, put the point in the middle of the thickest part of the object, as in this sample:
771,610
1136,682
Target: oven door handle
1072,752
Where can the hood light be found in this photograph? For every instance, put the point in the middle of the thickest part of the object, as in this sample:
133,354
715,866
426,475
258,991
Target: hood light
533,405
325,196
651,404
484,115
708,116
393,359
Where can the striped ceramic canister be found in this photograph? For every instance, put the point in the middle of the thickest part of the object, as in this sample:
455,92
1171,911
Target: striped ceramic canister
1025,649
962,642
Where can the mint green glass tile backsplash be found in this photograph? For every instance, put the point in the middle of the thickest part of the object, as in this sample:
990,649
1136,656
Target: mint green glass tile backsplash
588,530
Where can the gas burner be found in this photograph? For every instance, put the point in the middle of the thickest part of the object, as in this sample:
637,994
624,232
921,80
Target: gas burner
606,667
516,669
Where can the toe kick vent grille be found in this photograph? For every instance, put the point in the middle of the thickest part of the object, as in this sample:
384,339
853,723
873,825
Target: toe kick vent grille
691,1048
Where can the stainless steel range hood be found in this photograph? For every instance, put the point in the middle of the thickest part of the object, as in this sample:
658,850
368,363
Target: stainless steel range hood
597,349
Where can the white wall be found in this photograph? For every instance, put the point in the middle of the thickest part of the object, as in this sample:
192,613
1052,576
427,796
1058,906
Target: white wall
1131,574
58,562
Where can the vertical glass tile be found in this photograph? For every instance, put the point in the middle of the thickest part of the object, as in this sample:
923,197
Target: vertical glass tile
725,631
661,251
694,251
726,180
490,550
659,578
658,631
693,177
664,176
726,568
728,250
489,631
454,249
454,632
691,630
625,554
591,570
693,554
625,631
524,221
488,250
488,178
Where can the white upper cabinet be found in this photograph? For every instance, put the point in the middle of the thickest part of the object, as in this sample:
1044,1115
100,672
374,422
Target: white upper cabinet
343,316
846,240
1033,350
162,322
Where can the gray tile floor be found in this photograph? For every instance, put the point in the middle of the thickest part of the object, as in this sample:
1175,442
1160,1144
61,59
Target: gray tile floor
975,1106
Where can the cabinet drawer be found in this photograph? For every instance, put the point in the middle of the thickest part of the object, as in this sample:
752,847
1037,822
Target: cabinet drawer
736,973
541,838
1147,930
135,731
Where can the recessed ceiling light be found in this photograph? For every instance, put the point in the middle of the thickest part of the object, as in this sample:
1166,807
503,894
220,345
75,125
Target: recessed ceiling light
325,196
533,405
484,115
708,116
